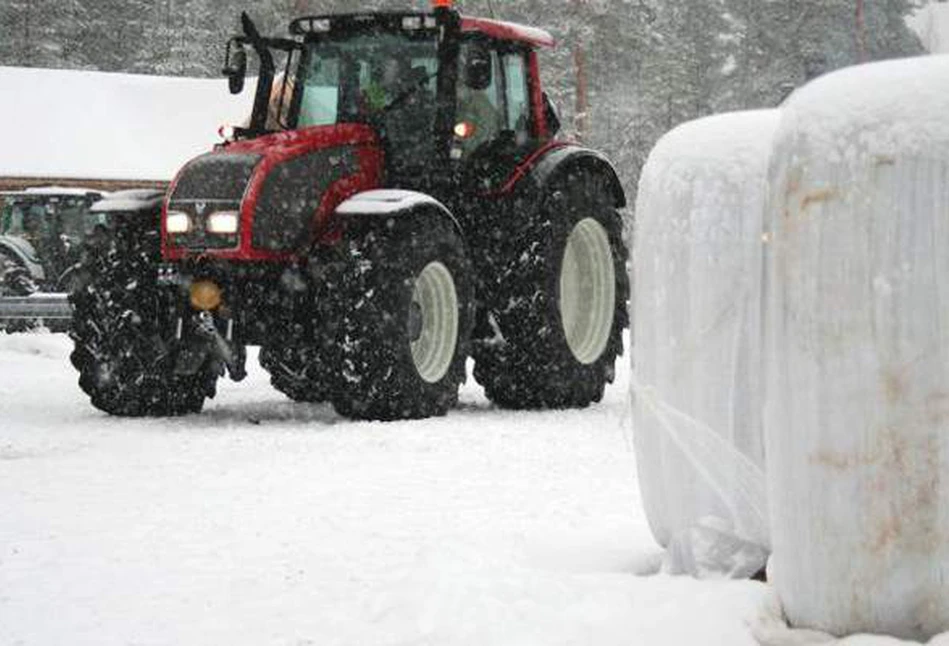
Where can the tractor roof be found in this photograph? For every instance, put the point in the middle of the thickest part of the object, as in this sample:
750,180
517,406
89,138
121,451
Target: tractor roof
42,193
508,31
498,29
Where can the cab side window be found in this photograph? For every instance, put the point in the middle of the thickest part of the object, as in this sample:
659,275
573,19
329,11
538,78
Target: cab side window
480,100
320,100
517,96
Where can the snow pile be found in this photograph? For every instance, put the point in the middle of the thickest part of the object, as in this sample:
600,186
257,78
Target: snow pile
697,275
93,125
931,24
857,416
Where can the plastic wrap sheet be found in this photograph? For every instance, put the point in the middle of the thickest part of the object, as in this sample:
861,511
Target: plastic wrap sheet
857,414
696,343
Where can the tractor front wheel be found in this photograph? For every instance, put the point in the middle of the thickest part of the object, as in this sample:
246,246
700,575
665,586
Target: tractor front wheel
406,313
124,345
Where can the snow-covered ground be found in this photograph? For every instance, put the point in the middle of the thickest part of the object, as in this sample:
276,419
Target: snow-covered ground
262,521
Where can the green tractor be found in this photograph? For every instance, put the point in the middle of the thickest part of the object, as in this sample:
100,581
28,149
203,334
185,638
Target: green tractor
42,231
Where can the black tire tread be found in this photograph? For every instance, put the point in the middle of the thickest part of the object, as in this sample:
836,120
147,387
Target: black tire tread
531,366
377,379
116,328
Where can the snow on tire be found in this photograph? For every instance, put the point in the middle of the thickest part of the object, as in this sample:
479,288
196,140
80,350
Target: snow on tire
406,313
558,300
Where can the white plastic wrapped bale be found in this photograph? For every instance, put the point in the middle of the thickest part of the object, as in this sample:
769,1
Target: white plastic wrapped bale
697,352
857,415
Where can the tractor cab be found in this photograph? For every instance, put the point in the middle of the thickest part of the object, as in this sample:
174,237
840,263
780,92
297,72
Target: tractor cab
396,203
451,98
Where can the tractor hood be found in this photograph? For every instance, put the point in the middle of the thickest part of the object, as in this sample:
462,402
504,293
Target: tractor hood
268,198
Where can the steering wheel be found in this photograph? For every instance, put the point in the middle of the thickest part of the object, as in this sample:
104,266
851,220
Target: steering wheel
489,163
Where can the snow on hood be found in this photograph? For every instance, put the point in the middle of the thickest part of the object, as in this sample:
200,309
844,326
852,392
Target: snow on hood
95,125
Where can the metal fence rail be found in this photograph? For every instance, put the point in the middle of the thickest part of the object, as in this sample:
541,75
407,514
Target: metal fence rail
36,306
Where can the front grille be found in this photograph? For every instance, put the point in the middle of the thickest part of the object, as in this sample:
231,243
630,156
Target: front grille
198,237
215,176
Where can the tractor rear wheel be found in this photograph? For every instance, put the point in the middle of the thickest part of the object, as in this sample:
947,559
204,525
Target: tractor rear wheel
558,302
124,345
406,313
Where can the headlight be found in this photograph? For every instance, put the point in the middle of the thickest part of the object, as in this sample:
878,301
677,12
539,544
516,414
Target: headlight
223,222
178,222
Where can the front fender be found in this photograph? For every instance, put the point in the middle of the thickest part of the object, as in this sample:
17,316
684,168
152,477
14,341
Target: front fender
394,202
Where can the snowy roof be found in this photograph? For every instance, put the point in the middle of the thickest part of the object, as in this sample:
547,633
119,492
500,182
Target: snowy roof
94,125
64,191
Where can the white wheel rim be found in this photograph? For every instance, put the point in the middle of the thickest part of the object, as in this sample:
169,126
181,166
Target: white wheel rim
587,290
434,295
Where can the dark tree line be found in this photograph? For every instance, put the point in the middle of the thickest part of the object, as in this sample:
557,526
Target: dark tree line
647,65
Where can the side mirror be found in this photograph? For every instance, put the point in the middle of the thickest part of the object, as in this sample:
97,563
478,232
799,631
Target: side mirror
478,68
235,67
551,116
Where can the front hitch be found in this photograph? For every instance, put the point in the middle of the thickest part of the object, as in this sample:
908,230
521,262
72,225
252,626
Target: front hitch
207,343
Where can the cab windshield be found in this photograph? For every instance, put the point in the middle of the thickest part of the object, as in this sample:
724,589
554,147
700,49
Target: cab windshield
357,78
38,220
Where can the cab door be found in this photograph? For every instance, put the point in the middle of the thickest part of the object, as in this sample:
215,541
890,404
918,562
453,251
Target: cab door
495,130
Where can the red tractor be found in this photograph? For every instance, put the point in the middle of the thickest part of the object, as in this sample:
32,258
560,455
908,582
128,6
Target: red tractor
397,203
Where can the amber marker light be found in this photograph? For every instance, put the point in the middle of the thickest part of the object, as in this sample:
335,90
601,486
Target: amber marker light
226,133
464,130
441,4
205,295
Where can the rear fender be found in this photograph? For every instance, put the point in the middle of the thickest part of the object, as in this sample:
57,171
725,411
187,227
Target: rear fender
571,157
